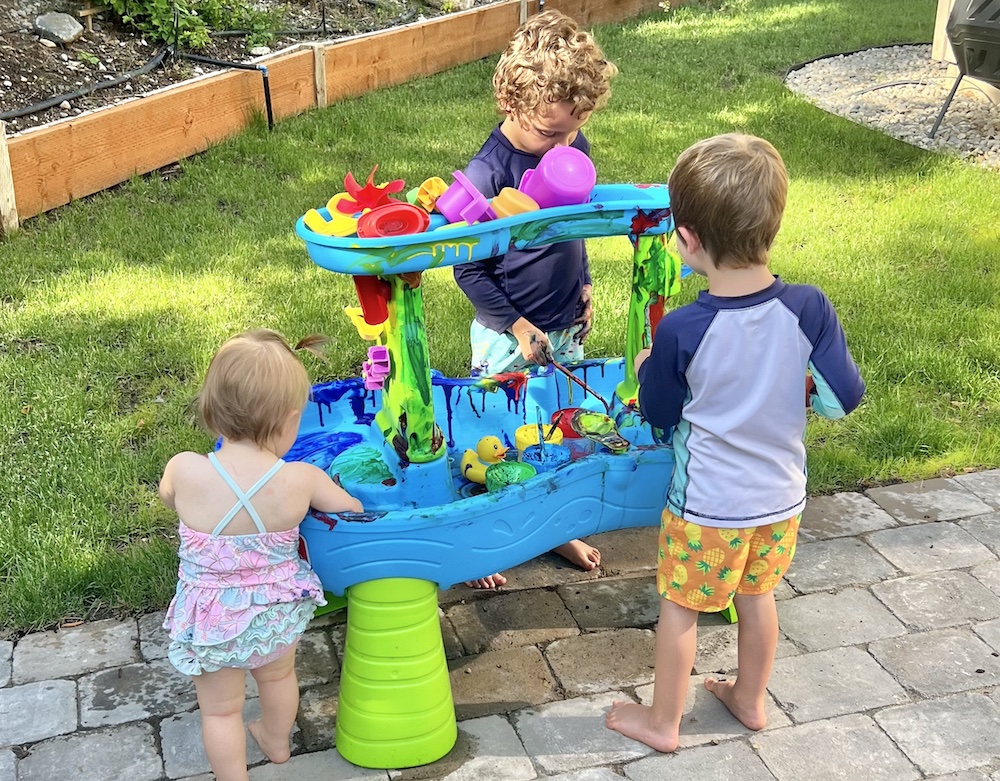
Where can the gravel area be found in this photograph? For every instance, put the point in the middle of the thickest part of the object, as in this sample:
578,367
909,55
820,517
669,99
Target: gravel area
899,90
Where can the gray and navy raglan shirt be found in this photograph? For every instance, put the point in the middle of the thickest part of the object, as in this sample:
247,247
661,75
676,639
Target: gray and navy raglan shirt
728,374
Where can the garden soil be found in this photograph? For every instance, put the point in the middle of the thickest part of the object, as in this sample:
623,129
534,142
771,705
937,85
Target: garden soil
33,71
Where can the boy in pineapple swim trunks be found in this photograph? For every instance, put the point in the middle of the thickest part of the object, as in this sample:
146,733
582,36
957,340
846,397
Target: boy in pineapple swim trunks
727,373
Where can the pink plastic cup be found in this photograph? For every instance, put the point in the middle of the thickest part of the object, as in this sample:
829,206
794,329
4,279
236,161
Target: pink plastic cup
564,176
462,202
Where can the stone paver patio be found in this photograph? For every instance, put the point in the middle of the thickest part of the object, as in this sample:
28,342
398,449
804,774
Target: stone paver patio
888,668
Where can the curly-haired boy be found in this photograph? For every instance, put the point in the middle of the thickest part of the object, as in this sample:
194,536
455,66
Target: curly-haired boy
534,306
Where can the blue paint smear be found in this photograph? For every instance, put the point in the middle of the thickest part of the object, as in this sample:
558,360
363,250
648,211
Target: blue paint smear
331,392
321,447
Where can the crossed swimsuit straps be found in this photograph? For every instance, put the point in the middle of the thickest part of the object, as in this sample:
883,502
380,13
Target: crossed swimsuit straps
243,499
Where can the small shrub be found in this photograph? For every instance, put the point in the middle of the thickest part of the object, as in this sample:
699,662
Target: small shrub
196,20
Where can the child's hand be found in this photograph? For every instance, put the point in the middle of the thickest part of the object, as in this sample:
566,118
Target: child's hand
534,344
587,315
329,496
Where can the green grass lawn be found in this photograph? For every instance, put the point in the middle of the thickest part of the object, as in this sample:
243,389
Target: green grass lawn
112,307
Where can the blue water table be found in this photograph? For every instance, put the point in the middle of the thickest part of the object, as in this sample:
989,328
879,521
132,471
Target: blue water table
416,447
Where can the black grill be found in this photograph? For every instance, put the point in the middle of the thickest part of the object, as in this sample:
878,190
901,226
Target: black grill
974,31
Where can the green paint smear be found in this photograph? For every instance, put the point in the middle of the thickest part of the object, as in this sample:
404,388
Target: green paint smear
656,274
564,229
361,464
429,254
407,415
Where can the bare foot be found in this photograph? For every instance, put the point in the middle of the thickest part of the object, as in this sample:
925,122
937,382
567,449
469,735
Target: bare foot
488,583
585,556
750,714
277,754
636,721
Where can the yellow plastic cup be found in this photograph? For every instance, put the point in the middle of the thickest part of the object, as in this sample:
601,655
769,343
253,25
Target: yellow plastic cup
525,436
509,202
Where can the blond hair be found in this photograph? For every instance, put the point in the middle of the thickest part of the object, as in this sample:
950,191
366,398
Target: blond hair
551,60
731,191
254,381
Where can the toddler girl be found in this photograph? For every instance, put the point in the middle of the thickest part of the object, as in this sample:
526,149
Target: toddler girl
244,597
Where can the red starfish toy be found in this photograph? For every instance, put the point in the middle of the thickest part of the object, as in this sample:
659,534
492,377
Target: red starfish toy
368,197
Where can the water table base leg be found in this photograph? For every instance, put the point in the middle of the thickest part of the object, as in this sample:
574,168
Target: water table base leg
395,707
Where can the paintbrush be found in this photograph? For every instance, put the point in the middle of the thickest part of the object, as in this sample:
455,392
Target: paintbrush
541,433
585,386
555,423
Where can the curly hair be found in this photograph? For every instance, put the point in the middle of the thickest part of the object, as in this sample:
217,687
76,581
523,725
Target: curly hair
551,60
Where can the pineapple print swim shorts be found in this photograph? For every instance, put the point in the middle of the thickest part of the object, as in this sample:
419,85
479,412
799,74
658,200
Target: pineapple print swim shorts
702,567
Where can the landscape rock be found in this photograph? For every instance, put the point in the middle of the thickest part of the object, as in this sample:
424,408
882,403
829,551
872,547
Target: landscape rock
59,27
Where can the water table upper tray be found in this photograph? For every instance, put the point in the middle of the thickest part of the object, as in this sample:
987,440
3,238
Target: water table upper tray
613,210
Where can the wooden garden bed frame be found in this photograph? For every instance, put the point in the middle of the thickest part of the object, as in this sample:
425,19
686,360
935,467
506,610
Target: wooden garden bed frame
47,167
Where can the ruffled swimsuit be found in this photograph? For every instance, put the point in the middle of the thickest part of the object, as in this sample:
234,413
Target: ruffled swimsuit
242,600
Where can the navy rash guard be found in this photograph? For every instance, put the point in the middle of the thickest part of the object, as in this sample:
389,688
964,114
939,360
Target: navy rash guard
541,284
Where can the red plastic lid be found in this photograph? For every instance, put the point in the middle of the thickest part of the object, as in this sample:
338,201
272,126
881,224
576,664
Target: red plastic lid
393,219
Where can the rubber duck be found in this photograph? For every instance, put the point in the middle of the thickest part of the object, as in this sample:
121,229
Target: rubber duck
489,451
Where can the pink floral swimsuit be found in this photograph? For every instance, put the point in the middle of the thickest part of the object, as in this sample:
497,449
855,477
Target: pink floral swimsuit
242,600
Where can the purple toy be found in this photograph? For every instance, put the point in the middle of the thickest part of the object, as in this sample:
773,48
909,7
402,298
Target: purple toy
376,368
564,177
463,202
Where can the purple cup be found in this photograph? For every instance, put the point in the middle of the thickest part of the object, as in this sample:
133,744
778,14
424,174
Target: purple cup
463,202
564,176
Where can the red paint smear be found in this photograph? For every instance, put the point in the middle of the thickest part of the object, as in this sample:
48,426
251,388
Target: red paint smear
512,383
324,518
655,313
642,221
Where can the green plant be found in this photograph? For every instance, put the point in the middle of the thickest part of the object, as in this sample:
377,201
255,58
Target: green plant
156,20
196,20
88,58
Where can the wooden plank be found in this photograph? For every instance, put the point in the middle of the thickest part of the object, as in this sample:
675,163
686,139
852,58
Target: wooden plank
358,65
8,203
58,163
591,12
292,76
365,63
941,48
74,158
319,74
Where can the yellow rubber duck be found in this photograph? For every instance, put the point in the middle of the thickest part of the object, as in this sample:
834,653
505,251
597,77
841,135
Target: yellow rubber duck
489,451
